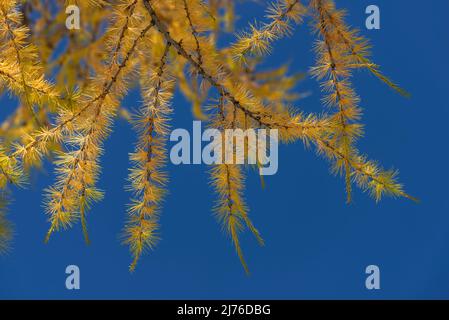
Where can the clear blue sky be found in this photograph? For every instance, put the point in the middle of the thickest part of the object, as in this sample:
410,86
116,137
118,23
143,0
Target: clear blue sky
316,245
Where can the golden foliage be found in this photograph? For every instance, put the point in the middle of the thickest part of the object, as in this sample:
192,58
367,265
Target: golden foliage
158,46
146,178
257,42
5,225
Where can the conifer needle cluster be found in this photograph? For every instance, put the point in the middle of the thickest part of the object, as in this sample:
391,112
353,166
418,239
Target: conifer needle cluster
70,85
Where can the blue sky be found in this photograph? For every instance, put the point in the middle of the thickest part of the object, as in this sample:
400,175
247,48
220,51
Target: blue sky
316,245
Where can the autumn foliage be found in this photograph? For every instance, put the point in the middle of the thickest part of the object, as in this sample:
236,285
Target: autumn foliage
70,85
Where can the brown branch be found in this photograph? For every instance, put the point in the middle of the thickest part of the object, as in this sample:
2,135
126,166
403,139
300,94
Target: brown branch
12,39
181,51
194,33
336,82
356,166
100,98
